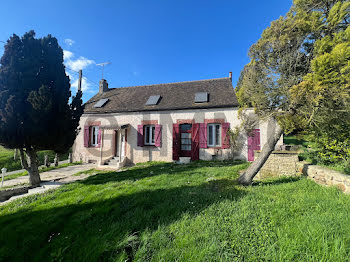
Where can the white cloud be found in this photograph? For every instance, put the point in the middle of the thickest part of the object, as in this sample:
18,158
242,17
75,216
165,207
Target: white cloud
79,64
85,86
73,66
67,55
69,42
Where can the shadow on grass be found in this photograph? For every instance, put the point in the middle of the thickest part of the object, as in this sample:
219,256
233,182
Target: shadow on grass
153,169
277,181
107,229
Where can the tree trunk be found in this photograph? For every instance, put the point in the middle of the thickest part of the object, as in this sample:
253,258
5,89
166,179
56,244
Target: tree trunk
32,168
247,177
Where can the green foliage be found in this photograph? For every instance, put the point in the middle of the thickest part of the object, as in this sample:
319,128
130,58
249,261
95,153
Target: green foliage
300,74
34,96
168,212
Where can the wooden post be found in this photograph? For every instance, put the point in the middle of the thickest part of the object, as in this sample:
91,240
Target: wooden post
3,174
80,79
46,161
56,160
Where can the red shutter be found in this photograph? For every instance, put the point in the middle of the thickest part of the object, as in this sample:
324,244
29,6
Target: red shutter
176,141
195,142
140,135
203,135
86,136
158,136
99,137
225,135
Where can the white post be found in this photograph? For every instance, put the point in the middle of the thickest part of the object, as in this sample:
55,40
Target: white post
3,174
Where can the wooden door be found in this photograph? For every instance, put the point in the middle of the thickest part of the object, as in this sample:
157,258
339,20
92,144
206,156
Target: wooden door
186,140
253,143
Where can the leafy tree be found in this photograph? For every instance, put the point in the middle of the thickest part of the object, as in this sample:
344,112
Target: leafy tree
323,97
35,113
280,60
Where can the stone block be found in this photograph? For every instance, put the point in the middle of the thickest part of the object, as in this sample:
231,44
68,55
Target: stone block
8,193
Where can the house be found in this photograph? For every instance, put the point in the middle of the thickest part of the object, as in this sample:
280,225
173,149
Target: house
164,122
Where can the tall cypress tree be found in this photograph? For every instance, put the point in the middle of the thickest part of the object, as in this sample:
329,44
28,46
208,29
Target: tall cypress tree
35,113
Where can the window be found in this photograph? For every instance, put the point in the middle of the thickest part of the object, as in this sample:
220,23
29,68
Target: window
186,137
94,135
148,132
214,135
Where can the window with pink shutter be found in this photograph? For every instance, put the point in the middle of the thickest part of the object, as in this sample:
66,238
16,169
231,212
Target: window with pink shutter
176,141
203,135
99,137
158,136
225,135
86,136
94,136
140,136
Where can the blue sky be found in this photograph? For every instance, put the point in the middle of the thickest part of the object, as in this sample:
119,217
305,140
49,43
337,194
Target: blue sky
147,42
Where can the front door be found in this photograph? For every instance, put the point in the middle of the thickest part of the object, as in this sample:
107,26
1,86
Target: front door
253,143
186,140
116,146
122,145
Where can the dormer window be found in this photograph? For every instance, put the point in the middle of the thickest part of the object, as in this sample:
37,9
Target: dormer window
201,97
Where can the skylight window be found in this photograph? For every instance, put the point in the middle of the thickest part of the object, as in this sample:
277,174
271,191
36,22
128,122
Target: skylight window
201,97
153,100
101,103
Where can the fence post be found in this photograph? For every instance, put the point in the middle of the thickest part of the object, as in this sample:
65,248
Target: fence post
3,174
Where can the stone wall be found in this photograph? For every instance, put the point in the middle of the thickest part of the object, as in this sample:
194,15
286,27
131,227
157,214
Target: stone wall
286,163
328,177
280,163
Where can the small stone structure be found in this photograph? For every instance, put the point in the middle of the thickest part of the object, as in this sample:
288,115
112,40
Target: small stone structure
286,163
325,176
280,163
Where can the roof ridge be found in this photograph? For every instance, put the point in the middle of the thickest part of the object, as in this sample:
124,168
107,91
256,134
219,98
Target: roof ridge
191,81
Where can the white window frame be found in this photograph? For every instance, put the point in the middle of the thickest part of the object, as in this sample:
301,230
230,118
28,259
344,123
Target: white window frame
151,130
214,144
94,135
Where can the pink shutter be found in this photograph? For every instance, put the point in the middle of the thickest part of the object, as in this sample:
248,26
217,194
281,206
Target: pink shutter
195,142
86,136
225,135
176,141
99,136
203,135
140,141
158,136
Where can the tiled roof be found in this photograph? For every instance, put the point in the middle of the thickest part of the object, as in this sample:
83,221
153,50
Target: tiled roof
174,96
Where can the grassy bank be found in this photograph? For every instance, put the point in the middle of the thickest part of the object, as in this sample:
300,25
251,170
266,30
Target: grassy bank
167,212
7,161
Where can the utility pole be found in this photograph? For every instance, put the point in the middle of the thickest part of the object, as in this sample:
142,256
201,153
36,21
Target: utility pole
80,79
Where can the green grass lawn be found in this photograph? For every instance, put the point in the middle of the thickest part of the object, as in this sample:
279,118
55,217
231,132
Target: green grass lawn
7,161
168,212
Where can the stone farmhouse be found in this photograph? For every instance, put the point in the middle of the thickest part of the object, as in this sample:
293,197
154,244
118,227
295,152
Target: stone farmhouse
183,121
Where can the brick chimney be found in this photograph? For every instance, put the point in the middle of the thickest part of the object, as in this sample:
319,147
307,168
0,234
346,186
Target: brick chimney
230,76
103,86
